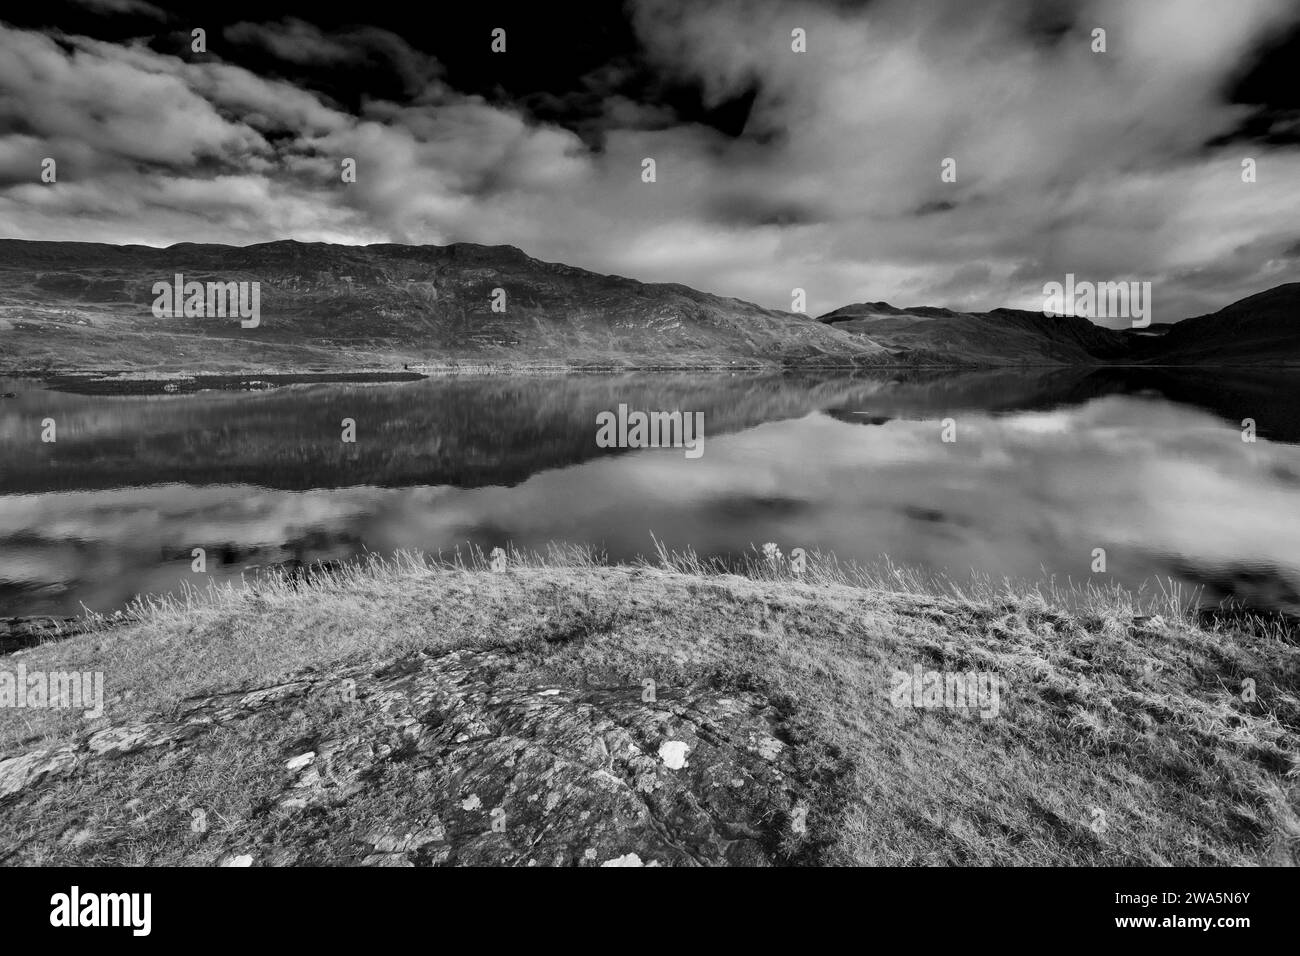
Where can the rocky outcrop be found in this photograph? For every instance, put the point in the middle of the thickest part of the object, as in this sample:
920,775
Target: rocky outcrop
495,769
19,632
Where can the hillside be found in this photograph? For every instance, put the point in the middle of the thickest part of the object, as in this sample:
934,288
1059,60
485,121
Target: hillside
1000,337
87,305
70,306
1260,329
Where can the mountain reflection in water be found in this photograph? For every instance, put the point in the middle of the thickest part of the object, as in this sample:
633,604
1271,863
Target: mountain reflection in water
1048,465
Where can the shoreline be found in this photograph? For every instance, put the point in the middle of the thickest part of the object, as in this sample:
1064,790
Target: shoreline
88,381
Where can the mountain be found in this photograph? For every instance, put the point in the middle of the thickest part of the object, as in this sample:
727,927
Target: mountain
1000,337
1262,329
89,305
70,305
1259,329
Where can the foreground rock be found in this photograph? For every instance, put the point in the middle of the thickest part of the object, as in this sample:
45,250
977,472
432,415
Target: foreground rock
455,759
19,632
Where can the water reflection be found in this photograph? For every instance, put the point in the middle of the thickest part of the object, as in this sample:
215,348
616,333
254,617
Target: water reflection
1047,465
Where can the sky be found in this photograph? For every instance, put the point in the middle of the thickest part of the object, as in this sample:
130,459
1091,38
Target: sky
774,169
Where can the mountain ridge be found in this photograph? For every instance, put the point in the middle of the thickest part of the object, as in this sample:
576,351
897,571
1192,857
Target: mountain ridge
322,304
1260,329
71,304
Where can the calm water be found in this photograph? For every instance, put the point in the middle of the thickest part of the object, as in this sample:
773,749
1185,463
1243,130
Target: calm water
1046,467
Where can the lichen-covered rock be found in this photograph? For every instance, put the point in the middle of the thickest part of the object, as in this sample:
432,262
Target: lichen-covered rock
19,632
498,770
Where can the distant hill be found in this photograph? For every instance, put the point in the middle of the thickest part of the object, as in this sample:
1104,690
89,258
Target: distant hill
70,305
1000,337
82,305
1261,329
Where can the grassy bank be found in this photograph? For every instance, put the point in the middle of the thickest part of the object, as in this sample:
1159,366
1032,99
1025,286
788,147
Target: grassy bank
1122,733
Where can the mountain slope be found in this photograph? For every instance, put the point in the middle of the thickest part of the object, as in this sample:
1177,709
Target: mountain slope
87,305
1260,329
75,305
1263,329
1000,337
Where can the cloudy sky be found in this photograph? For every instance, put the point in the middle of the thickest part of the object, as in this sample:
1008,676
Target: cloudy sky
775,169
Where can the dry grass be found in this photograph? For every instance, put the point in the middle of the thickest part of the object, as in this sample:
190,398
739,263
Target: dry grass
1122,737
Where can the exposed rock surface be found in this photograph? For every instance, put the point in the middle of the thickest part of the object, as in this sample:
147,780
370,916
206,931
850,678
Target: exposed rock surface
499,770
19,632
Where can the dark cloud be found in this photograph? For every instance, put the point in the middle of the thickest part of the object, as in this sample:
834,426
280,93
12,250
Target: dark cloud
750,209
935,206
298,42
123,8
1271,75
